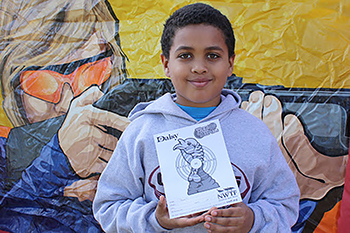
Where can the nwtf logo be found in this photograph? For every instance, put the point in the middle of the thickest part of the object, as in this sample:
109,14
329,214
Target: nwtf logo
226,193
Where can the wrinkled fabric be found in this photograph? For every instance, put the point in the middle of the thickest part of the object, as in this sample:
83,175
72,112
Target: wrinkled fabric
36,202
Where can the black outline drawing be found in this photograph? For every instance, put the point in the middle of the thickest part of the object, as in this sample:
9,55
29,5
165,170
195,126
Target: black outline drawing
196,164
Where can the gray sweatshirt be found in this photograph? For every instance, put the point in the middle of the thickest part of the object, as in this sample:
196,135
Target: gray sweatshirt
129,187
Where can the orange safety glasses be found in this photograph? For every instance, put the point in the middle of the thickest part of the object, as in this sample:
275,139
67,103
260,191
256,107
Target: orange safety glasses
47,84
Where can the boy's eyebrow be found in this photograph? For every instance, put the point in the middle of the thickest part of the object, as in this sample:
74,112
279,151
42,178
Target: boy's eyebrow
184,47
214,48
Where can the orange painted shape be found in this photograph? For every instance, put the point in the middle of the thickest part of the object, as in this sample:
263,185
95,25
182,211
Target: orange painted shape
4,132
328,223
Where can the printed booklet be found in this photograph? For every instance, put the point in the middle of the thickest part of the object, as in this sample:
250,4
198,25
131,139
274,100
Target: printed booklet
196,170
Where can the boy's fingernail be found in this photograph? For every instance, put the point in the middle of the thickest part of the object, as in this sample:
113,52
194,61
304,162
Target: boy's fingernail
208,218
214,213
206,225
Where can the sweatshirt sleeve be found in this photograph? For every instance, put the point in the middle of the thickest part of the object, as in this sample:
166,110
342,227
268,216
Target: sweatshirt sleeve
119,204
275,195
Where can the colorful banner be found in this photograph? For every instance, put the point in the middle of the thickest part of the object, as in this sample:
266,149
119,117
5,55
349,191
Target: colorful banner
72,70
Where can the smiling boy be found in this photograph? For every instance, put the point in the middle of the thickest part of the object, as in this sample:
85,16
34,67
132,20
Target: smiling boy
198,54
198,68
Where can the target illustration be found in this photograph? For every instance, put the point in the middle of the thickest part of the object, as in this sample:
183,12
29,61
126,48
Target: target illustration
195,164
183,168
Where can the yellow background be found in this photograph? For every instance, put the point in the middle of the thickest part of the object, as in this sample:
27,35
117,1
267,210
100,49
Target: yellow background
291,43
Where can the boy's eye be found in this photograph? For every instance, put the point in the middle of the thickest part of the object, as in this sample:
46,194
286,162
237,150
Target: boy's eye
213,56
185,56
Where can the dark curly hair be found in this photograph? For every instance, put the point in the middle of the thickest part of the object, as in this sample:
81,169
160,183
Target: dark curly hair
198,13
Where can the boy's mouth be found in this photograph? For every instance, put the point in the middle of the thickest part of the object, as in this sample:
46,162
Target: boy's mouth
199,83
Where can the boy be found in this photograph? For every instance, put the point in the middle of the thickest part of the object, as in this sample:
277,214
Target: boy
198,54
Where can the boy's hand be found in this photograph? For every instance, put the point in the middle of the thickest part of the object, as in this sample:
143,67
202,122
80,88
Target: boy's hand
238,218
162,216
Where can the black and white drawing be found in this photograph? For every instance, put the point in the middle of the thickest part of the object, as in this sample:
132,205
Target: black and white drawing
196,164
196,169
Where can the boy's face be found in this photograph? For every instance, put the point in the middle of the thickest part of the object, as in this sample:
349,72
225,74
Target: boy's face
198,65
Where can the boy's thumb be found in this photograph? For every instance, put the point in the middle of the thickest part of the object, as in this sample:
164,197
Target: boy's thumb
162,202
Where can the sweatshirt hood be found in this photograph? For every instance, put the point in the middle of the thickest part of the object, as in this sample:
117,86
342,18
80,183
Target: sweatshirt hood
166,106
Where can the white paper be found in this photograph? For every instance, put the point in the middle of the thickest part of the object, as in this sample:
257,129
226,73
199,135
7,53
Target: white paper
196,170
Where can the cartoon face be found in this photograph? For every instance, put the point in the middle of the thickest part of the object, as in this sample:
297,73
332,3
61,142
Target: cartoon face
47,91
48,62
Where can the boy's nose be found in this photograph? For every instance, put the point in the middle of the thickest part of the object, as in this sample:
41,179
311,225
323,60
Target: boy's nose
199,67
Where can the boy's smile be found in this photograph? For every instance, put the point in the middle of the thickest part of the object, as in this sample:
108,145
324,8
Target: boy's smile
198,65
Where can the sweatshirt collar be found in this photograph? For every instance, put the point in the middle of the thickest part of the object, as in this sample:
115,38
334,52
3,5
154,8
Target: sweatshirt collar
166,106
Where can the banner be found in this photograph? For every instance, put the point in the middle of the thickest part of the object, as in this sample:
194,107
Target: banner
72,70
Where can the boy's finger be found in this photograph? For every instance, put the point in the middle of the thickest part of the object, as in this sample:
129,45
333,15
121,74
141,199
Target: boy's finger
212,209
162,202
230,212
190,221
161,207
219,228
224,221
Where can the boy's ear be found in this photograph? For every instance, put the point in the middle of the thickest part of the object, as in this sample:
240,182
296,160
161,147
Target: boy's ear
231,62
165,62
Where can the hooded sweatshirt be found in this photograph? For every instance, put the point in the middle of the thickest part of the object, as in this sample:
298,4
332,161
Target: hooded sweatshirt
130,186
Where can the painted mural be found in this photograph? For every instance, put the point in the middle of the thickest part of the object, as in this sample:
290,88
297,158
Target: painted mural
72,70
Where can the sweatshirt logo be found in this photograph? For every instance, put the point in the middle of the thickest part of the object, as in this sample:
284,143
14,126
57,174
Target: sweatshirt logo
168,137
201,132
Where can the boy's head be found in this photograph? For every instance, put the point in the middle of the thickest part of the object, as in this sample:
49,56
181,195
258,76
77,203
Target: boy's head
193,14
